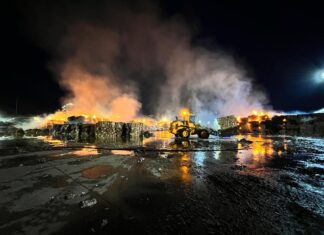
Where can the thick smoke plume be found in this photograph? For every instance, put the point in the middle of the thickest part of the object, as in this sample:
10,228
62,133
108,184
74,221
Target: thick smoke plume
133,62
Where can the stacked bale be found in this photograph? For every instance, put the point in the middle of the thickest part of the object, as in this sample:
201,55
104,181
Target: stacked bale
227,122
292,125
7,129
56,130
86,133
77,132
319,129
114,130
227,125
299,125
137,129
37,132
107,130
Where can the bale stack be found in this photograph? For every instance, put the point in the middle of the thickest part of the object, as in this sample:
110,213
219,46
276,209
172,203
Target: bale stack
227,125
137,129
107,130
227,122
114,130
69,132
77,132
7,129
56,130
298,125
37,132
86,132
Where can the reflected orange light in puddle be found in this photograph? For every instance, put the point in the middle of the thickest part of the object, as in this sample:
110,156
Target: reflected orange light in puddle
260,150
158,135
88,150
122,152
98,171
50,140
184,169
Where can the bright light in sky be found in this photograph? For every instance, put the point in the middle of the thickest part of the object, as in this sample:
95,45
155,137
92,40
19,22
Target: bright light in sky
319,76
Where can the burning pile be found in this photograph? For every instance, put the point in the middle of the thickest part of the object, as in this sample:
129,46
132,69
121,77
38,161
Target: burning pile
250,124
253,123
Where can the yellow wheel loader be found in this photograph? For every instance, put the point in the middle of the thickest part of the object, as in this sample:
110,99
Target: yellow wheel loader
186,127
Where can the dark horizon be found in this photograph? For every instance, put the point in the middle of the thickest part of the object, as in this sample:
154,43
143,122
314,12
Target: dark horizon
281,45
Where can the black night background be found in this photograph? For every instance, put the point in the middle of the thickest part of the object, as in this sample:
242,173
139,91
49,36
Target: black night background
281,44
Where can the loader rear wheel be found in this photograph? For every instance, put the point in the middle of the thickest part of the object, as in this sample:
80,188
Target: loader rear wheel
184,133
203,134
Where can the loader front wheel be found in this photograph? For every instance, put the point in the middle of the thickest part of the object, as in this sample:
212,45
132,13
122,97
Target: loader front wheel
184,133
203,134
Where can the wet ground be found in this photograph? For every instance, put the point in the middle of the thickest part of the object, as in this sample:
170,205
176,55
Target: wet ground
272,185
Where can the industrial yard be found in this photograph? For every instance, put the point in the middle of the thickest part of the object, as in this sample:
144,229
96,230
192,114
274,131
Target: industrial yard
162,117
265,184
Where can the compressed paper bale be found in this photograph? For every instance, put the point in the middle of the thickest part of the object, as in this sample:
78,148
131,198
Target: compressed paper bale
319,129
306,130
101,130
37,132
227,122
137,129
114,130
86,132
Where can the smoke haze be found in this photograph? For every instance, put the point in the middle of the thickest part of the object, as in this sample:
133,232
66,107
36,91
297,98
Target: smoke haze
125,62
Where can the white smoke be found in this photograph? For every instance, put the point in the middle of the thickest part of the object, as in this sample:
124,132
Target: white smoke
128,59
211,84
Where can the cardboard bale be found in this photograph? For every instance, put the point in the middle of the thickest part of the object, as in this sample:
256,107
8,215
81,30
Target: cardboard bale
306,130
137,129
319,129
106,130
113,130
227,122
37,132
86,133
7,129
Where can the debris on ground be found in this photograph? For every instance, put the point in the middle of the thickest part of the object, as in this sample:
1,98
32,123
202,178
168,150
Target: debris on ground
88,203
69,196
140,160
104,223
139,151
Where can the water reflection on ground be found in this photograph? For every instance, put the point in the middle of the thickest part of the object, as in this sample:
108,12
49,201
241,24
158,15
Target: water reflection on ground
184,178
255,152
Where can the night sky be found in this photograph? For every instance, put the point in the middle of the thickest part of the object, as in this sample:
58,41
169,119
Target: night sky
282,45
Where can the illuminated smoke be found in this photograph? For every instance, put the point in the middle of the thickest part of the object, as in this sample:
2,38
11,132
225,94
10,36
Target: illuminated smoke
97,95
211,84
124,63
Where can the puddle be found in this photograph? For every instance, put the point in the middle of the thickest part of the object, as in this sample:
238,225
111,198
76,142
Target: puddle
98,171
85,151
123,152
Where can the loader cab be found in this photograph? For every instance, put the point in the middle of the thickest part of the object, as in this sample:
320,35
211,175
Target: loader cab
192,118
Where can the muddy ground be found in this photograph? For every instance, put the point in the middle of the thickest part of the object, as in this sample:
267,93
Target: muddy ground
273,185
